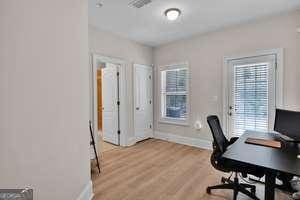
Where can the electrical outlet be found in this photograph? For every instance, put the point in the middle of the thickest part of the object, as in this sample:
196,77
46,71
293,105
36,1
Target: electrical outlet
198,125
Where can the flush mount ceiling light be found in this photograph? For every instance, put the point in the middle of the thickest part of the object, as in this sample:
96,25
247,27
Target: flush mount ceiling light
172,13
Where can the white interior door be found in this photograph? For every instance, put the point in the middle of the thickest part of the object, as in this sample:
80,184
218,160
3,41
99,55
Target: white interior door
251,94
143,102
110,97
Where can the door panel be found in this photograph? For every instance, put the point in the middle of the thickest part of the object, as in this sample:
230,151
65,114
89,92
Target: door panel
251,94
143,102
110,107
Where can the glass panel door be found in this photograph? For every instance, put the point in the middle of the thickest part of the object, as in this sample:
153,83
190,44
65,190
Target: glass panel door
251,94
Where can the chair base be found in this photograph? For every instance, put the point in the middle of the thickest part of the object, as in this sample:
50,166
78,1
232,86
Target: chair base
236,187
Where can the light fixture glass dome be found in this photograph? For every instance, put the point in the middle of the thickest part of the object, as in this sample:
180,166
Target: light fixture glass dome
172,13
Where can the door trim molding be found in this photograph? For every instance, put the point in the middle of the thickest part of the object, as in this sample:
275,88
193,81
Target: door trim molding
279,54
87,192
123,96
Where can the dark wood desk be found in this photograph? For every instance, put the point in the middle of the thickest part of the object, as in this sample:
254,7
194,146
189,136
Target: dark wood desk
272,160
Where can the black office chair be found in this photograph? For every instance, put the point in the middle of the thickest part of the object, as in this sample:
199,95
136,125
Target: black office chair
220,144
287,123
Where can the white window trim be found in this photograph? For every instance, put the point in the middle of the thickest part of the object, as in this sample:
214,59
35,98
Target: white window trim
279,53
168,120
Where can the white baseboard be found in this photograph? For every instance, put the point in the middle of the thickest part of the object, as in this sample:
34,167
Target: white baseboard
87,192
131,141
195,142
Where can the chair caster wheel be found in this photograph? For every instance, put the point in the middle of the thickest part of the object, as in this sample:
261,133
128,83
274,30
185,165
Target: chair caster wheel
208,191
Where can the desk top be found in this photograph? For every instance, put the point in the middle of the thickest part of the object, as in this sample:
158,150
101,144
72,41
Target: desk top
284,159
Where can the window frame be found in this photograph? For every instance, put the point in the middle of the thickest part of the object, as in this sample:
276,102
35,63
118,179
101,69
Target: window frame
169,120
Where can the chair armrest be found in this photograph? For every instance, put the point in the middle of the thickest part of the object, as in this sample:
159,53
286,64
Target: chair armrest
233,140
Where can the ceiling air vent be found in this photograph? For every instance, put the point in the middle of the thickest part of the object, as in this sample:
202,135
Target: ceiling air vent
139,3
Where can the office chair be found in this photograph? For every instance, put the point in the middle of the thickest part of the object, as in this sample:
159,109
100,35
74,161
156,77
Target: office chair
220,144
287,123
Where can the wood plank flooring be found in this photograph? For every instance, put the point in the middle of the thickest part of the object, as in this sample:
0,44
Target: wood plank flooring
160,170
105,146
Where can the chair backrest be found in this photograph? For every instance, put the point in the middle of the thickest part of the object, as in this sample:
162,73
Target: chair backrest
287,122
220,141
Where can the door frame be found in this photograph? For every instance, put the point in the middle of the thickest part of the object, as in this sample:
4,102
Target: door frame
279,74
123,108
134,103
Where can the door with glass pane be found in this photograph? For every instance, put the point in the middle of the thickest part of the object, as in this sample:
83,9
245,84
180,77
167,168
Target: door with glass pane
251,94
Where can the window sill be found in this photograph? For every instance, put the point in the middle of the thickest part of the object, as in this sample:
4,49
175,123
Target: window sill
174,122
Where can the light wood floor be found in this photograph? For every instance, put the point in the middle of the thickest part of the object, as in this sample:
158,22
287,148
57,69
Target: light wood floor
160,170
105,146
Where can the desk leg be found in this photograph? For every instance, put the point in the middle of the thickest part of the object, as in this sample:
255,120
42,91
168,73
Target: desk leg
270,185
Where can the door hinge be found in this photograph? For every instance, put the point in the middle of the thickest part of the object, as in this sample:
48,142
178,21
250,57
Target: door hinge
119,132
150,77
118,73
118,103
150,102
150,126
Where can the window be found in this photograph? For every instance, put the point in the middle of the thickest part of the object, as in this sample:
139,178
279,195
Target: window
251,97
174,94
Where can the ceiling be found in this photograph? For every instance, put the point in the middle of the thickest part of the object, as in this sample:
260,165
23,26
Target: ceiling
149,26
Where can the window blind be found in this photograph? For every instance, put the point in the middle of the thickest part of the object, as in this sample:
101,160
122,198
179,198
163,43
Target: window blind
174,93
251,97
176,80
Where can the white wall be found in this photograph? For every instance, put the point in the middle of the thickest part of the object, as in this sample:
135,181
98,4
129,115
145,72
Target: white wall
205,54
107,44
44,140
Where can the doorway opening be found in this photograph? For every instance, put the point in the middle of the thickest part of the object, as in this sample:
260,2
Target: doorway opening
109,110
108,105
107,75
